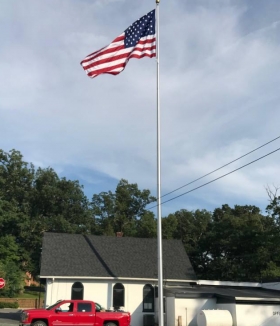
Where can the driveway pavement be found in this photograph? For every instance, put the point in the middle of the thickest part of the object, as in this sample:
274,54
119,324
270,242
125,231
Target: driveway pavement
9,317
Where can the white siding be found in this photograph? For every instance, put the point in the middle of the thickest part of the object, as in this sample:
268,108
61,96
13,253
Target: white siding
257,315
231,307
101,291
170,311
189,308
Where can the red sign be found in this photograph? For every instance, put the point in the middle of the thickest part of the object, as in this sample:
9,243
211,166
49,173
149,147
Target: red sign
2,283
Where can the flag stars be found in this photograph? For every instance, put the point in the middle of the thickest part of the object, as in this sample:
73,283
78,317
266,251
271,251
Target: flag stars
141,28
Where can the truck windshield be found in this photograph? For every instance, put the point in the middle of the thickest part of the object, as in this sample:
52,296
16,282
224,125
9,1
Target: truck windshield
98,307
53,305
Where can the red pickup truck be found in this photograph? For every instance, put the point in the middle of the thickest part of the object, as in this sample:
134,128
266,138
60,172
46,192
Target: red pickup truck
74,312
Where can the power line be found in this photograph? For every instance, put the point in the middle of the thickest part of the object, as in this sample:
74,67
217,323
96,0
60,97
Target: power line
222,176
205,175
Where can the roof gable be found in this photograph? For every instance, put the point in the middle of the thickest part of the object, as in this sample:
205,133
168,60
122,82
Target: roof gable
102,256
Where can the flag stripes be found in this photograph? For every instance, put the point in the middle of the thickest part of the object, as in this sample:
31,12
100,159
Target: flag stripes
113,58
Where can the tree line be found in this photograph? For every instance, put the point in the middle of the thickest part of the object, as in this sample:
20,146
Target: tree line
231,243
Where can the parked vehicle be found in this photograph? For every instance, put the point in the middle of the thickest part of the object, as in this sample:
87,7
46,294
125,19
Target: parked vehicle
74,312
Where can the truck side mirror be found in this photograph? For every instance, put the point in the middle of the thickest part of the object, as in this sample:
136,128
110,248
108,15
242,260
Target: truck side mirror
58,309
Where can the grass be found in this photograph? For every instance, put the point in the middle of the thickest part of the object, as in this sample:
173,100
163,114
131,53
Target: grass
28,295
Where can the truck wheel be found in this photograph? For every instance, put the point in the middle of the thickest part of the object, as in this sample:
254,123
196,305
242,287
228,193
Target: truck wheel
39,323
110,324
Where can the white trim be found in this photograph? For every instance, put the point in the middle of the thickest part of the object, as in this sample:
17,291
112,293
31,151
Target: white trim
183,281
116,278
227,283
257,299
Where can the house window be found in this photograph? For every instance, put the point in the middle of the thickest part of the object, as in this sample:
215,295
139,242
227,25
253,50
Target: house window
118,296
148,298
77,291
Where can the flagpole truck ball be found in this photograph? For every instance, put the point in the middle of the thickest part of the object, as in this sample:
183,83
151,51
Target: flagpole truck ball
2,283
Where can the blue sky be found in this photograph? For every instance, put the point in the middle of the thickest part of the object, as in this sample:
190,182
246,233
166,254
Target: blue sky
219,86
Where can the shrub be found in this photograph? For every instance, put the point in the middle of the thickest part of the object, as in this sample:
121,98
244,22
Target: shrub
9,304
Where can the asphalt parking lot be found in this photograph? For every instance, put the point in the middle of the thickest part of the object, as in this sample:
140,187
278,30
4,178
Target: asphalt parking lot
9,317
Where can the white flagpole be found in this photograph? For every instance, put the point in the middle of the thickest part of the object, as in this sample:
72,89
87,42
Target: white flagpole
159,233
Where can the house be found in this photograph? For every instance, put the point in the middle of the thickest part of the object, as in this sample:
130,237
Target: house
247,304
113,271
122,272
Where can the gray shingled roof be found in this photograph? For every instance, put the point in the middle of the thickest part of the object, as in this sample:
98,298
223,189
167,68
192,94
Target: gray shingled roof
101,256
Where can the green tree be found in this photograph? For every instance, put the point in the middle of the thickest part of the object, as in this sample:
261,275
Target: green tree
122,209
192,228
16,178
240,243
103,208
16,184
57,205
273,208
14,225
147,226
14,278
60,204
169,226
8,249
33,202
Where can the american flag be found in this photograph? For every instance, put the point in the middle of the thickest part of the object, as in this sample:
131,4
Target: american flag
137,41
